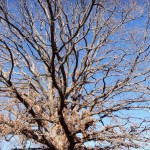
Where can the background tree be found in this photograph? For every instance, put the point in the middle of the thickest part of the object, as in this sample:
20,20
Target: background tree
75,74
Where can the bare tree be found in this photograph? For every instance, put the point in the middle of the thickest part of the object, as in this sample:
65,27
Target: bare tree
75,74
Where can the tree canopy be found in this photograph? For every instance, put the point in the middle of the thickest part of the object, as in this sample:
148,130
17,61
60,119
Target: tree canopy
75,74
